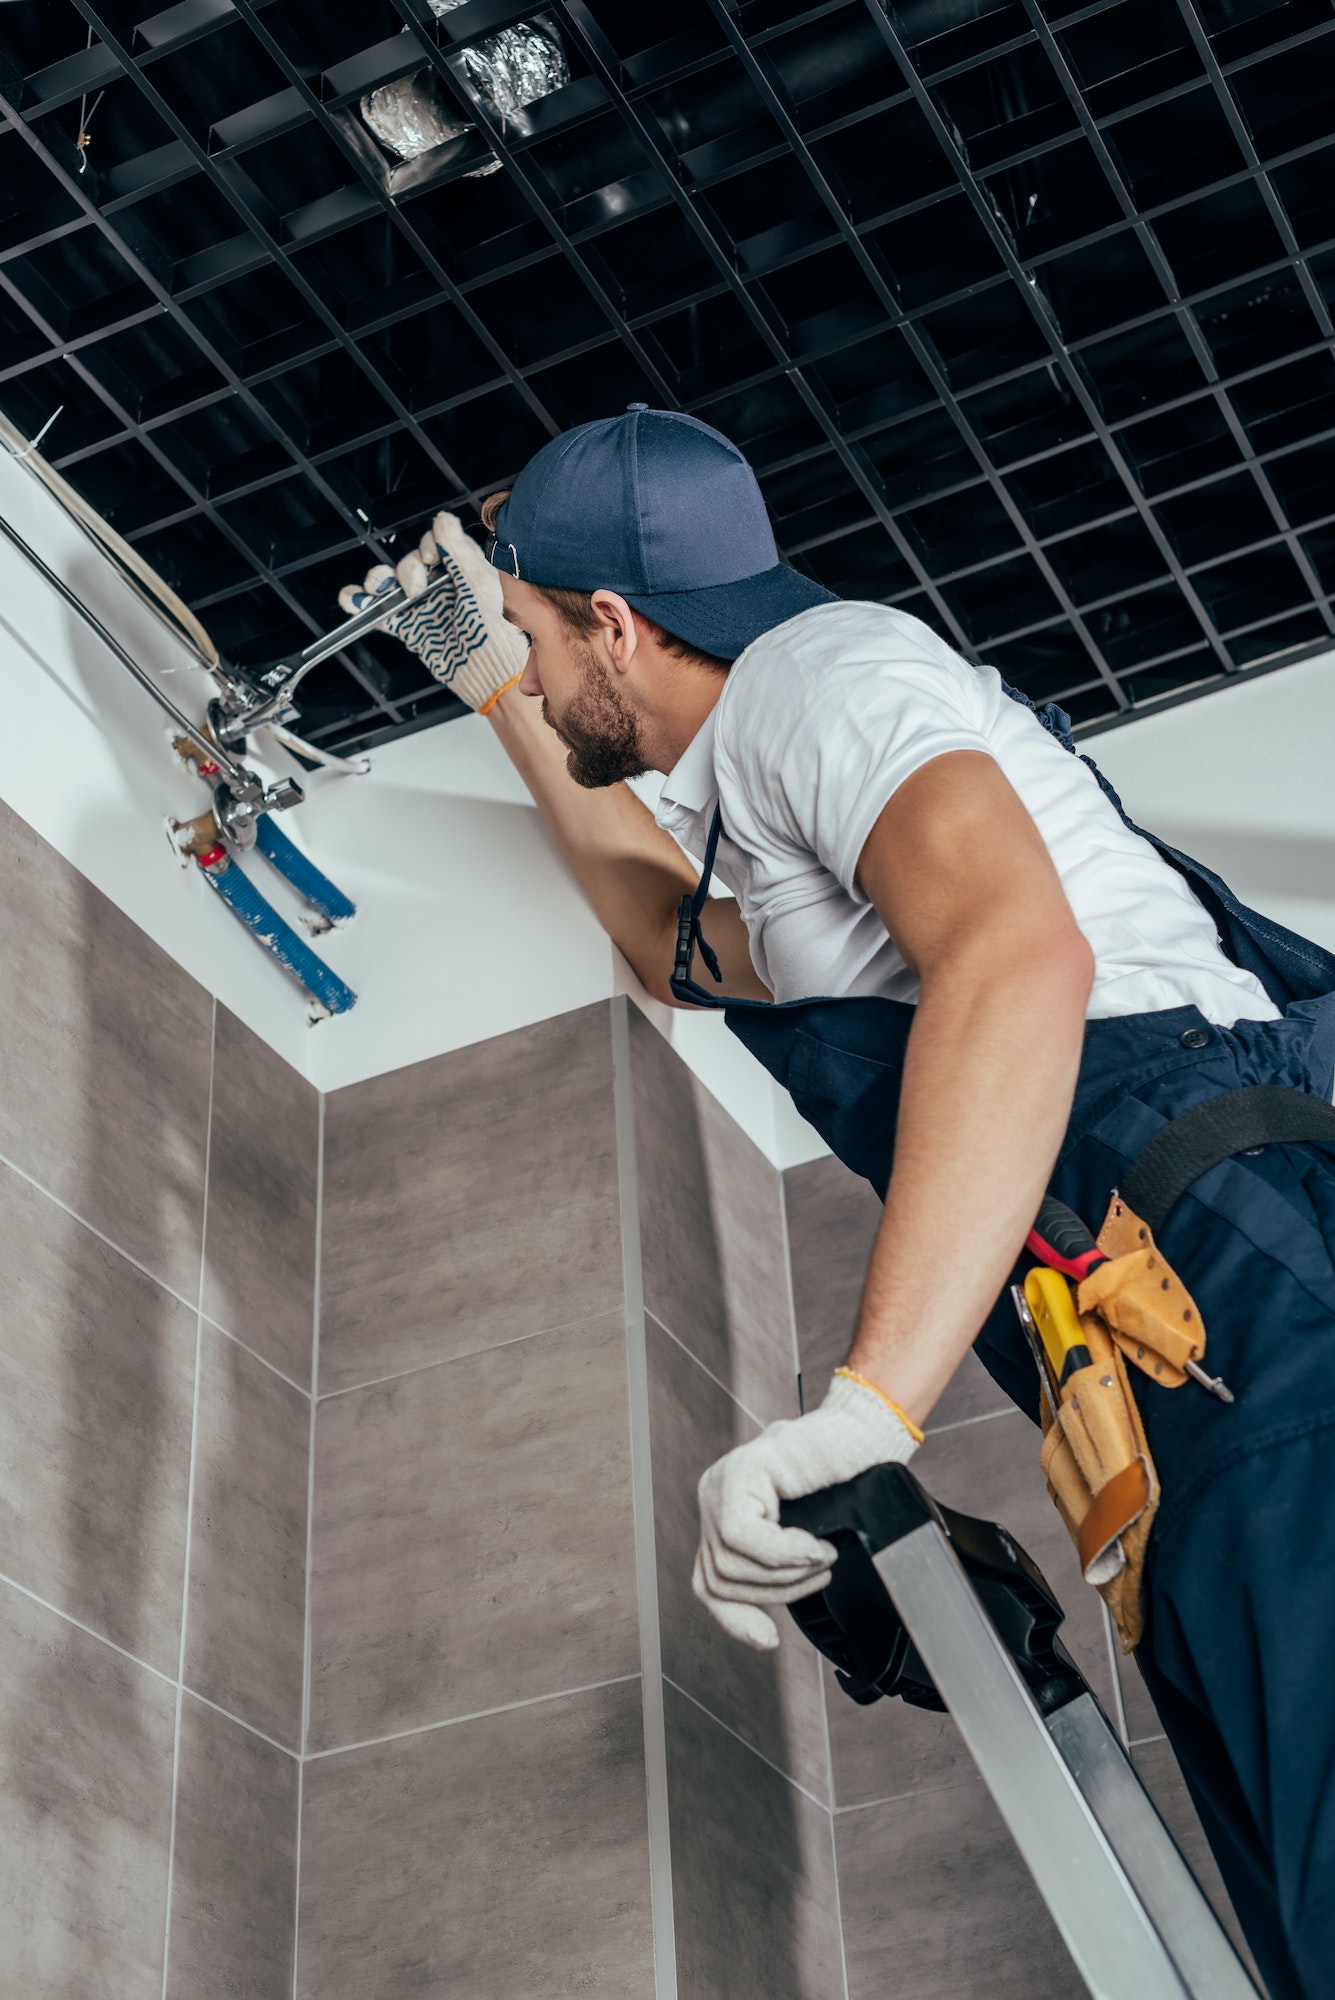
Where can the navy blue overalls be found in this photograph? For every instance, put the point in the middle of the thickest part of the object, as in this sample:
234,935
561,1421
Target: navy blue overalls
1239,1646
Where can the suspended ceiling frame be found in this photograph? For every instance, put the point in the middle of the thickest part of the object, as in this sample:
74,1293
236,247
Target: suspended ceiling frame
1094,649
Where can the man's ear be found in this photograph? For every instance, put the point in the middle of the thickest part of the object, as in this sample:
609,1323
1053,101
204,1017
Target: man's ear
620,633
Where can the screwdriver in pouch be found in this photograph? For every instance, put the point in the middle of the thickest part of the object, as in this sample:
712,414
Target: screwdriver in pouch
1064,1243
1048,1297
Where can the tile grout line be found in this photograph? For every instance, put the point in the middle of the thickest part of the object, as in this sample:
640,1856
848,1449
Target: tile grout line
305,1727
146,1666
189,1506
249,1727
191,1305
788,1282
68,1618
728,1730
893,1798
932,1430
890,1798
470,1354
918,1791
642,1508
962,1423
823,1693
254,1353
731,1394
838,1905
473,1715
372,1382
834,1863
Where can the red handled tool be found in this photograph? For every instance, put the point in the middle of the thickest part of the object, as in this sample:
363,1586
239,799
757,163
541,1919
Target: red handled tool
1061,1240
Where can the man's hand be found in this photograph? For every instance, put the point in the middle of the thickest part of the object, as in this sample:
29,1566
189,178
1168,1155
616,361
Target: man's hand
459,634
746,1559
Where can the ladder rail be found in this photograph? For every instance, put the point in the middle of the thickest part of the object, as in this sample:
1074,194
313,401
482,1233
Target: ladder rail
1153,1862
1131,1914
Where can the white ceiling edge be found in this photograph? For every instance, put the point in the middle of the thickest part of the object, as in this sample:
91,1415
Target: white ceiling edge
469,924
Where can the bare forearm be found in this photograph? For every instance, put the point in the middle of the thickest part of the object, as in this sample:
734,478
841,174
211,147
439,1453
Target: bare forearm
988,1082
633,873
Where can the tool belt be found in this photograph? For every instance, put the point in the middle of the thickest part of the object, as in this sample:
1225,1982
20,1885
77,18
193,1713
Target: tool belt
1093,1310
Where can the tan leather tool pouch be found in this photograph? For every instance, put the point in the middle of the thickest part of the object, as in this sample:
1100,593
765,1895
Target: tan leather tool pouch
1140,1298
1098,1467
1100,1474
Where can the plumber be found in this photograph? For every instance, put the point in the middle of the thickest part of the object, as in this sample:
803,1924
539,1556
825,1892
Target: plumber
955,952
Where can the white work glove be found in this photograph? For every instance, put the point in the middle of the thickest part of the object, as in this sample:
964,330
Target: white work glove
746,1559
459,634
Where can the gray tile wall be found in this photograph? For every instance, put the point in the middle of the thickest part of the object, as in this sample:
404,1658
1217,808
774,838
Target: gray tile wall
419,1757
749,1795
470,1200
484,1740
156,1268
475,1817
171,1680
555,1285
259,1267
934,1898
502,1856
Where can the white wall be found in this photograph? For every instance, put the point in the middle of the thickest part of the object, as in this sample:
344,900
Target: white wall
468,923
1242,780
85,760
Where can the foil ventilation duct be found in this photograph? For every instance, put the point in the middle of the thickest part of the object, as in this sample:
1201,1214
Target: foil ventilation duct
409,116
512,70
515,68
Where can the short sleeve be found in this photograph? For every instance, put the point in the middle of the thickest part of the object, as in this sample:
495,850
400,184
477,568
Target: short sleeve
819,735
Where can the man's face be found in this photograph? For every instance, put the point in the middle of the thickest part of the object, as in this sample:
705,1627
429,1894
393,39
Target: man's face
581,700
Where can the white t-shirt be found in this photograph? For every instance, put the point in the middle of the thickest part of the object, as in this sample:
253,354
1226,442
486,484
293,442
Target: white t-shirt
819,723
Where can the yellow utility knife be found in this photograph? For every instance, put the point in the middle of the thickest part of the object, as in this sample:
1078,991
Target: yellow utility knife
1048,1296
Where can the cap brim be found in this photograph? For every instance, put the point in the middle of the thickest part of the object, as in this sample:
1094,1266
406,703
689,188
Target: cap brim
725,618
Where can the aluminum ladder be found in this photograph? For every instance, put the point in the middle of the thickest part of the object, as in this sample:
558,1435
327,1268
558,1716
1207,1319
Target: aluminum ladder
948,1612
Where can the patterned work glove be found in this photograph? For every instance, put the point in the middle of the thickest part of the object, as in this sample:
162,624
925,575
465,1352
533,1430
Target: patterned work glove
746,1559
459,634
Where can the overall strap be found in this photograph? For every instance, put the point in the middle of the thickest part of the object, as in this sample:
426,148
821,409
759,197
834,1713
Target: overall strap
1236,1121
689,933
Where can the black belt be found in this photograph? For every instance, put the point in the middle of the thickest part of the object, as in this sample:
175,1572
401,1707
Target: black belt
1237,1121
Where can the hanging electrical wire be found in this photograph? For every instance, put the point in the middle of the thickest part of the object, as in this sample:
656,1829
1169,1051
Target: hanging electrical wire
84,138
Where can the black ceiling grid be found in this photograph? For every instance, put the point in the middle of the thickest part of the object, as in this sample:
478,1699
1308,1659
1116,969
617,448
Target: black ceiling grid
1023,312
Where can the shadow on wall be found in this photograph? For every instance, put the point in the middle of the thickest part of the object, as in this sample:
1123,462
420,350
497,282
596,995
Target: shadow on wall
105,1055
136,1041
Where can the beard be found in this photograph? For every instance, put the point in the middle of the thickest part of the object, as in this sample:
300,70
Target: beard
600,732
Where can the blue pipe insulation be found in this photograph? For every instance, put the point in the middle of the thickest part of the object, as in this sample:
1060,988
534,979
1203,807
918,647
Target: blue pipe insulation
240,894
301,872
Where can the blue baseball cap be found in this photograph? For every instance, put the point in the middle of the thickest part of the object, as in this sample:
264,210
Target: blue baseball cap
666,512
